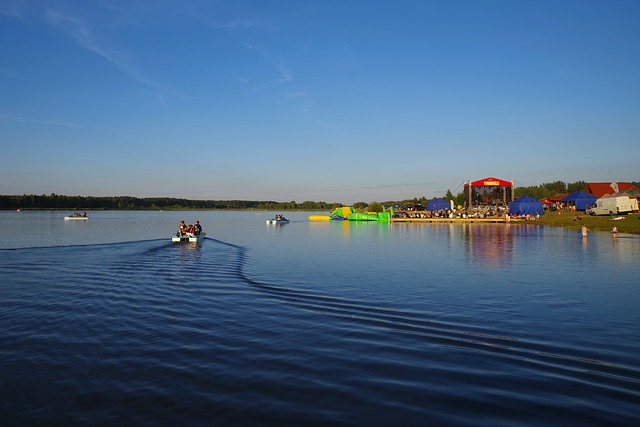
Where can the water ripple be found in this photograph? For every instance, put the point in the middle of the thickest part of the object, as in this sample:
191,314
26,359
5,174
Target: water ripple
175,334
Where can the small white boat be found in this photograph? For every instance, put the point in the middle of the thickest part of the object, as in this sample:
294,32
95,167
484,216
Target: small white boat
76,218
282,220
176,238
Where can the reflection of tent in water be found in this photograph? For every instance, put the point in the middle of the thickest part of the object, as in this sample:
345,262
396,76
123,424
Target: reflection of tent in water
488,191
580,199
526,205
438,203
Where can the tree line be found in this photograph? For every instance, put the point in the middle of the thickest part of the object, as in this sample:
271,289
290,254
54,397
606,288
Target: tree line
548,189
57,201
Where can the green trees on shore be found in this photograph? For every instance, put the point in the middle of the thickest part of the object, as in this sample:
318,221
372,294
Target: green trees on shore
56,201
549,189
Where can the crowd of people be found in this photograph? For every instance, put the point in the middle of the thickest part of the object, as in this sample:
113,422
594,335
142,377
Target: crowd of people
451,213
481,212
526,217
189,230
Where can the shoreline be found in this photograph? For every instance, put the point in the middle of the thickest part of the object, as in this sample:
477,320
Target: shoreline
630,224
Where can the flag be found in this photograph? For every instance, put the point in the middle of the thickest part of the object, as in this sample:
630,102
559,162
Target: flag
614,187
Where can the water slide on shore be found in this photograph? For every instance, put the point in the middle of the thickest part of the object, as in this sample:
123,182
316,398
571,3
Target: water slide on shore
349,213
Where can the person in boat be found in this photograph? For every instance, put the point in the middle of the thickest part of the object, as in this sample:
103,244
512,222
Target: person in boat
198,228
182,228
190,230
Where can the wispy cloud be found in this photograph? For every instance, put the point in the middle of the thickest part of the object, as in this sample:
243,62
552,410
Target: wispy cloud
83,35
323,123
12,10
294,95
399,185
230,24
16,119
10,73
285,74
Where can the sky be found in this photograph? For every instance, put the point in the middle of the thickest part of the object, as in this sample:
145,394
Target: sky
322,100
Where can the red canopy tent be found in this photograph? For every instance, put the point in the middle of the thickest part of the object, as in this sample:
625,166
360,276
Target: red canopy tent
491,182
488,191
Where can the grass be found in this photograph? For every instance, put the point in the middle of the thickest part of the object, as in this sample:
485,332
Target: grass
631,223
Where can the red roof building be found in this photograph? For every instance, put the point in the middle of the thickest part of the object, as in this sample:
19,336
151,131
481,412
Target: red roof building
557,197
600,189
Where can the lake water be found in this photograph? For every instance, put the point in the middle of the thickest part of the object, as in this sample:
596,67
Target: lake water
314,323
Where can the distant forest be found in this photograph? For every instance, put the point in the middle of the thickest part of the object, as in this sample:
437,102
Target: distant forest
57,201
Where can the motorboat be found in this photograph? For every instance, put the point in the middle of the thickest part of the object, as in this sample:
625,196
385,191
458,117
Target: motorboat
193,238
76,218
280,220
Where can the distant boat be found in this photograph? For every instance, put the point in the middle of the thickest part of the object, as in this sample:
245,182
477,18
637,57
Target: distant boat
281,220
76,218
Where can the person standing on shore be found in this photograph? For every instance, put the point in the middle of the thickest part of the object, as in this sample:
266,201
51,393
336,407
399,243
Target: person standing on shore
584,231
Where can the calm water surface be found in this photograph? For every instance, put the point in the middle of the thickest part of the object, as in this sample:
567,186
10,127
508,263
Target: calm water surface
314,323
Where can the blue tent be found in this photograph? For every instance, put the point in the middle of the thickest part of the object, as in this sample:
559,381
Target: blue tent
581,199
524,205
437,204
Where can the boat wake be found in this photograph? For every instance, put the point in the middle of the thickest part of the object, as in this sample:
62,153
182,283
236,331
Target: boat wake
461,337
128,282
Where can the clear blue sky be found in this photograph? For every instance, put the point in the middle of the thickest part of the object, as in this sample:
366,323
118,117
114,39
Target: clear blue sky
325,100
